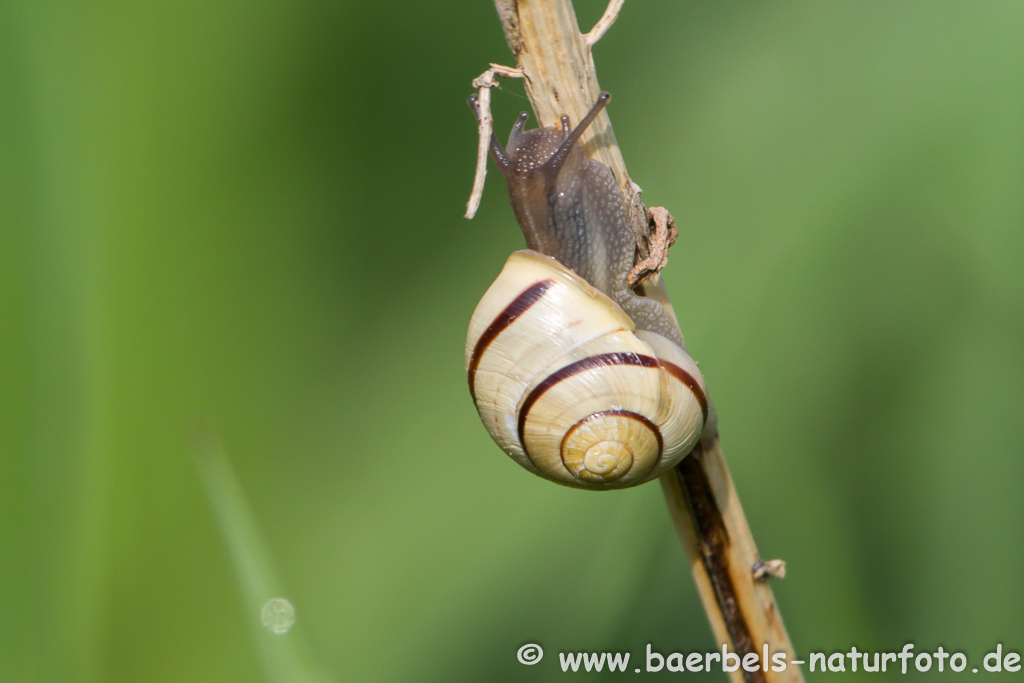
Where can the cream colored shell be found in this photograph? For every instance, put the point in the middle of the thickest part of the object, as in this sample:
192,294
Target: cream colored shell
568,388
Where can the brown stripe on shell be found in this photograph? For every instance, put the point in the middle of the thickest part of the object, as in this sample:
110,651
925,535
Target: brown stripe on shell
519,305
615,413
588,363
690,381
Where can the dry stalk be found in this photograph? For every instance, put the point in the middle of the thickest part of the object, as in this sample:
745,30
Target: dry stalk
555,61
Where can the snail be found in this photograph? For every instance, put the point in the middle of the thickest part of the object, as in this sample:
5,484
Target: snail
577,377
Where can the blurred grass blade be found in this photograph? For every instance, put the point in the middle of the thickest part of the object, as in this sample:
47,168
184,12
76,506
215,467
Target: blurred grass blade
285,657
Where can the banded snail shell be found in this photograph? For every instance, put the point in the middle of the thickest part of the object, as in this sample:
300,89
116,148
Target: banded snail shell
569,389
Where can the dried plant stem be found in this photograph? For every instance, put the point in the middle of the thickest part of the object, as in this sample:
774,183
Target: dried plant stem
483,83
555,61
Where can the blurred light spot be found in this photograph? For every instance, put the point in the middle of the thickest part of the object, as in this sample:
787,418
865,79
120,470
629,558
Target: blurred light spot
278,615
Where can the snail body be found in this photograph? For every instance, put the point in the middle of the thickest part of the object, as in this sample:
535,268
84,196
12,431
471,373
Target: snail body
576,376
569,206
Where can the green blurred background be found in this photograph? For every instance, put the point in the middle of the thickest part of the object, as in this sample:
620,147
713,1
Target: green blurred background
244,220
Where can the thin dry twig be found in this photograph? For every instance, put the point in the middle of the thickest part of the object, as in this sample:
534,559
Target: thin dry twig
482,108
611,13
772,569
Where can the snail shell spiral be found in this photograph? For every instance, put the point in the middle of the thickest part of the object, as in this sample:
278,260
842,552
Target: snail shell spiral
569,389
